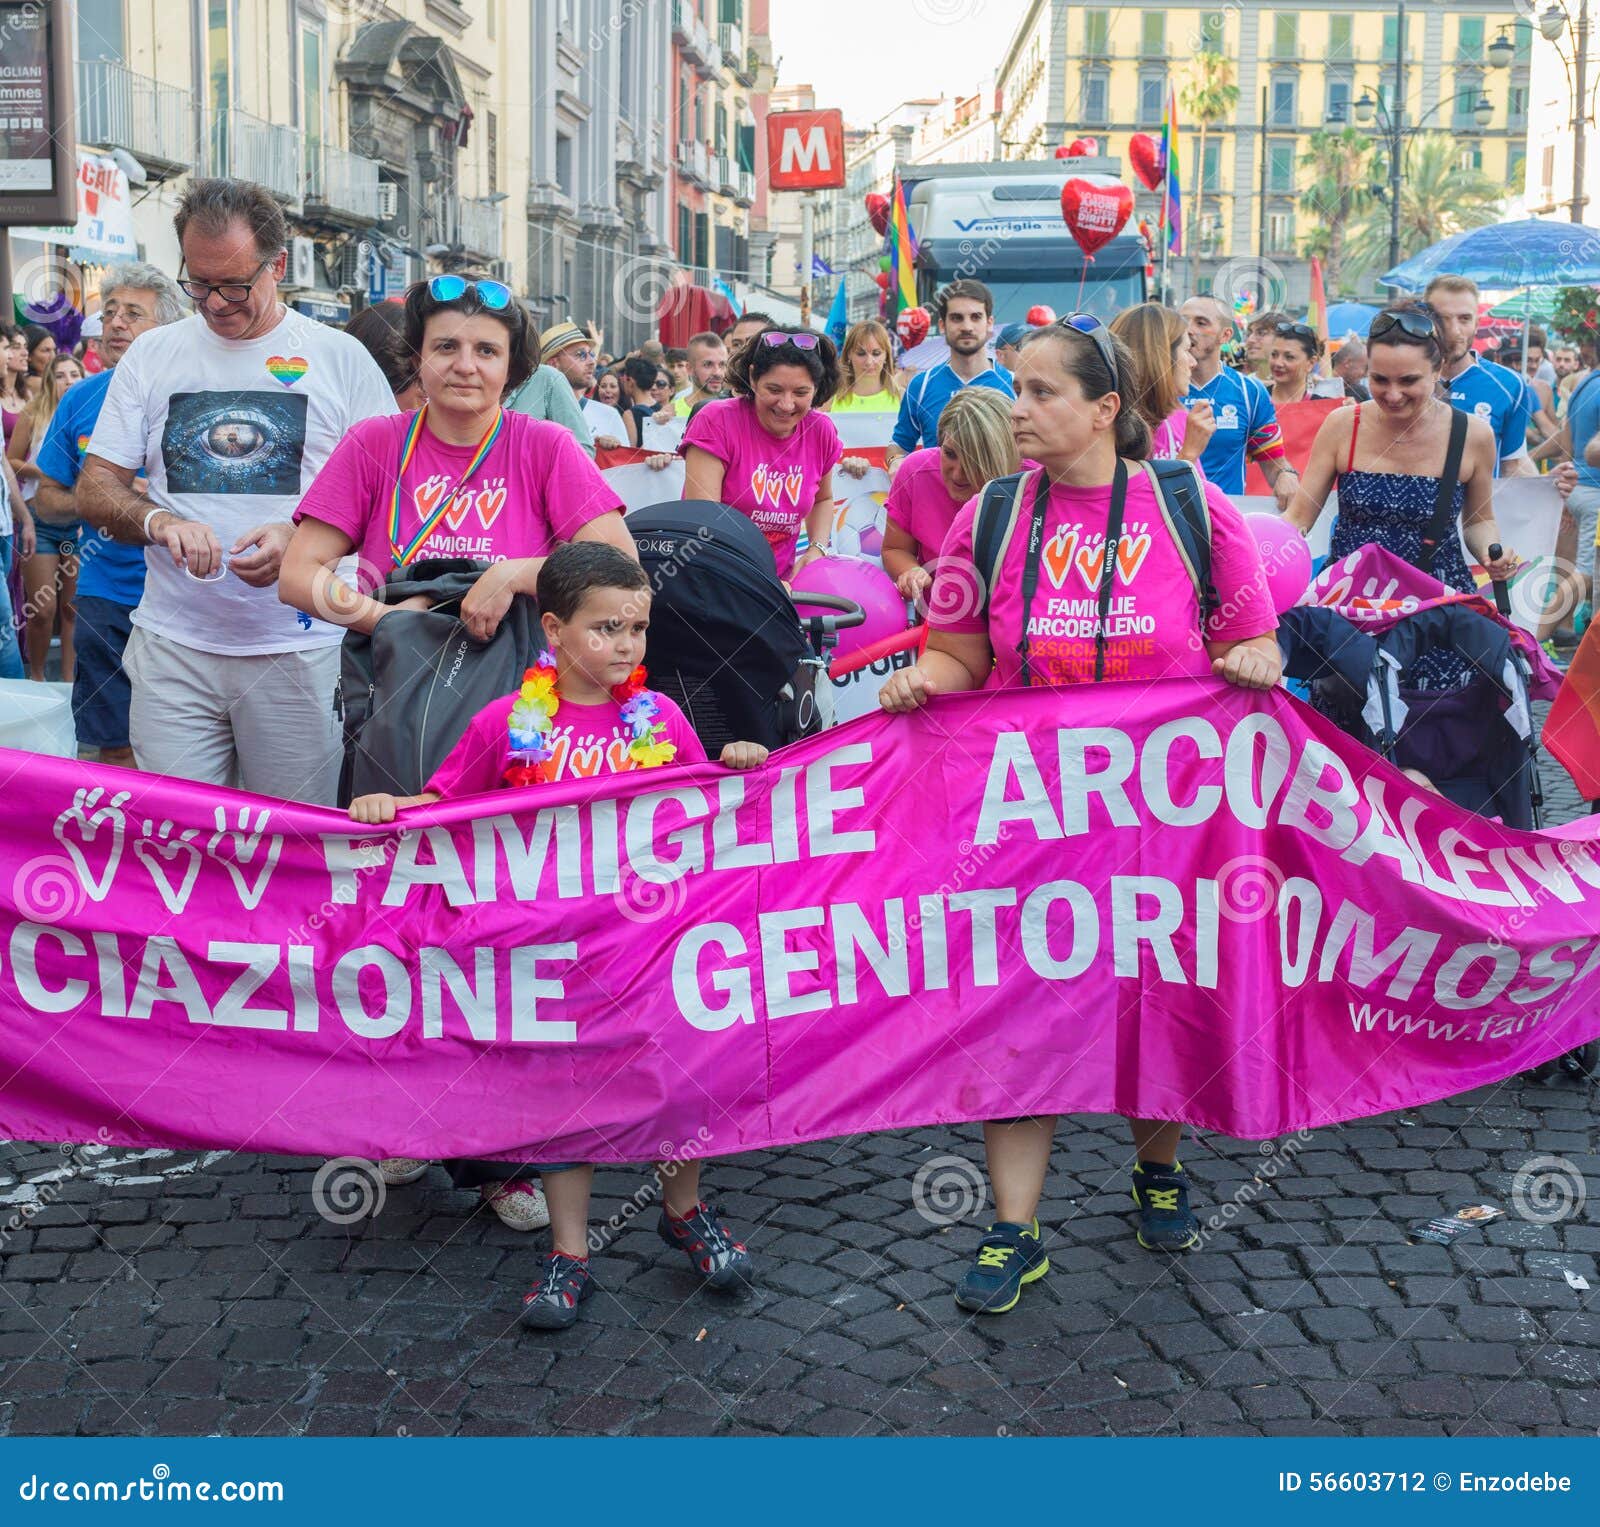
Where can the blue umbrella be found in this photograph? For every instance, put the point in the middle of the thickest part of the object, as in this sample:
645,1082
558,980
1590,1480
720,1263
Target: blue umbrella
1537,252
1350,318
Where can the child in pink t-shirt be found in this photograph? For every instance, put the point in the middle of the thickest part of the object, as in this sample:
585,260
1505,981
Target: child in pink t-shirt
975,447
583,710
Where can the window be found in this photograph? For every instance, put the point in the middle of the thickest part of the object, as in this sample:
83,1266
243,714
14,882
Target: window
564,163
1096,33
1152,98
1280,165
1213,29
721,130
1341,44
1468,88
100,29
491,145
312,104
1522,40
683,107
1516,168
1337,111
745,152
1211,167
1283,112
1470,159
1547,169
1153,33
1094,97
1391,33
1286,35
1517,106
1280,232
1469,37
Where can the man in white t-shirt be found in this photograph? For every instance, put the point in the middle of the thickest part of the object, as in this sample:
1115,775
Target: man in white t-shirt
230,413
572,352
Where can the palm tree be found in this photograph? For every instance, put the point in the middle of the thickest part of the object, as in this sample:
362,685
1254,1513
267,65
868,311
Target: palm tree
1437,198
1338,163
1208,98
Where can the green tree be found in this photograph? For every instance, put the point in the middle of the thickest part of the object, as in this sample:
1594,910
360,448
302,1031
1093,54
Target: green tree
1437,198
1339,168
1207,99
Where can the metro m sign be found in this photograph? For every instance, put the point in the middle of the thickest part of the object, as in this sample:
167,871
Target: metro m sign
805,150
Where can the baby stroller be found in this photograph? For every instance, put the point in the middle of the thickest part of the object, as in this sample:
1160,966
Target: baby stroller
726,642
1475,743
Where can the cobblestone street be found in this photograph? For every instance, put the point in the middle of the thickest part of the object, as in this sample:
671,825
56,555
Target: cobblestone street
198,1295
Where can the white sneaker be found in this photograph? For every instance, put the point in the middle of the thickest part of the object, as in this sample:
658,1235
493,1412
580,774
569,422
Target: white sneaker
397,1171
519,1205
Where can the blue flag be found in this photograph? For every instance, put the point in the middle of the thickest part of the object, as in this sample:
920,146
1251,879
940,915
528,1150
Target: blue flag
820,267
838,317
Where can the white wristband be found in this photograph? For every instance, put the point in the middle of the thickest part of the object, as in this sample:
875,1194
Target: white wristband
149,515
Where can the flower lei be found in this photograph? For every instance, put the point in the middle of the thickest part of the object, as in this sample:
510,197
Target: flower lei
533,720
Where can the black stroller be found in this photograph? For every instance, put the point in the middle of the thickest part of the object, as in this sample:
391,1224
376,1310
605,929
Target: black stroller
726,642
1476,743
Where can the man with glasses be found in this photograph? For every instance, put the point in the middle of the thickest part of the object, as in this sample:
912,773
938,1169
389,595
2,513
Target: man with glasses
1246,423
570,350
548,392
230,413
1494,393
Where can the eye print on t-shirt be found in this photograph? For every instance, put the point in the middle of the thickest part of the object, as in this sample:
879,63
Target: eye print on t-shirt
234,442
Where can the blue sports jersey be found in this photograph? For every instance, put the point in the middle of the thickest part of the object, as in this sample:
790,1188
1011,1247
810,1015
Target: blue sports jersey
918,425
1499,397
1583,420
107,569
1247,427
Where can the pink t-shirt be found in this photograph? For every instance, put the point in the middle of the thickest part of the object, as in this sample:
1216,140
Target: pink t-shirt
1166,439
775,482
920,504
588,739
536,487
1154,624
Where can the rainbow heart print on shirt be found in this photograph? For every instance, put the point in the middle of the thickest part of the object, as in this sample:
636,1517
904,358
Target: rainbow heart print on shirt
287,369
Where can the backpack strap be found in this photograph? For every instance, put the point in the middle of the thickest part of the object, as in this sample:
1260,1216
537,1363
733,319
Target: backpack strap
1182,497
1444,506
998,512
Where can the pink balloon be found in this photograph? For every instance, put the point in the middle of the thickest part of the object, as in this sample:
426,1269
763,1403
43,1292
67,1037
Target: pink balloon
1285,557
858,579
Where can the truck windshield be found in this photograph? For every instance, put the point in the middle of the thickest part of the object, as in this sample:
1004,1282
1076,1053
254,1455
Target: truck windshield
1104,296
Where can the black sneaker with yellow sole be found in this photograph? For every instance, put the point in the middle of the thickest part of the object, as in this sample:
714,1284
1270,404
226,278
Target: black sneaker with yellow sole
1166,1222
1008,1257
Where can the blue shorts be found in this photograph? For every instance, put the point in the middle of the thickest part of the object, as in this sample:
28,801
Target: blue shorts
100,688
57,540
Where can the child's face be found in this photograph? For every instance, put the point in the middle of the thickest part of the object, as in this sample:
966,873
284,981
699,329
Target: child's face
604,640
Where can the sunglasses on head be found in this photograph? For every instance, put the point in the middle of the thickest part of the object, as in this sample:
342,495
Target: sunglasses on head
1418,325
1300,331
776,337
494,295
1092,328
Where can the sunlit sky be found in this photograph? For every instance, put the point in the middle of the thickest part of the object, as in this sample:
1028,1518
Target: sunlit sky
866,56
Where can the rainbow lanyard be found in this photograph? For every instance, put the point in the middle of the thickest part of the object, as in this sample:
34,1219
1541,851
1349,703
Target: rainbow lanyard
405,555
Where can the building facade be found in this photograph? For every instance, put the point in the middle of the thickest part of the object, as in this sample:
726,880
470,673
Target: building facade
1297,69
1554,111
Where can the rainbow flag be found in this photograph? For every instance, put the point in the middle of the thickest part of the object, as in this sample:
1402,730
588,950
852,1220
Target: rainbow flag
902,252
1318,316
1171,199
1572,730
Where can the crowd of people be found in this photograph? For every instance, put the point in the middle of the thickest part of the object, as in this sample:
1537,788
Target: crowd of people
235,486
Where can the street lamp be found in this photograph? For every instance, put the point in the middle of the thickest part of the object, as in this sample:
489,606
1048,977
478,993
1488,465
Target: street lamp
1502,50
1553,21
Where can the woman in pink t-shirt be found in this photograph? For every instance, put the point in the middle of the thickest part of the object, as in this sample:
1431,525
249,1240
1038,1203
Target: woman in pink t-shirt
1158,345
975,447
769,451
1074,415
461,477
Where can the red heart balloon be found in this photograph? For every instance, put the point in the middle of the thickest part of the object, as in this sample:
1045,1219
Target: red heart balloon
1064,151
878,212
1095,209
913,327
1144,153
1040,314
1081,146
883,278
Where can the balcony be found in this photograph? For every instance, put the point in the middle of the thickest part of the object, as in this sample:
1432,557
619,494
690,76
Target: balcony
736,55
708,56
342,187
694,163
474,225
247,148
684,21
120,109
724,175
746,192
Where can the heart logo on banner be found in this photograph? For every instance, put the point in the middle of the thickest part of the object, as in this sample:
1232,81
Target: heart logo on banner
1058,553
1095,208
1144,153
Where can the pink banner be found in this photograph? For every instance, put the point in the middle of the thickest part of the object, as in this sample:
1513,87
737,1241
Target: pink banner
1181,901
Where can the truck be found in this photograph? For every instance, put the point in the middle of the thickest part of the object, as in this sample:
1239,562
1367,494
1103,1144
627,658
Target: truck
1000,222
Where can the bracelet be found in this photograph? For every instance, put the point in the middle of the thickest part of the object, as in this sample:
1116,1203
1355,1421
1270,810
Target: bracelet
149,515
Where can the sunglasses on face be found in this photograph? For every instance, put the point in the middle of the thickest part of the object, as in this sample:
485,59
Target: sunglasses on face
494,295
1092,328
1417,325
777,337
231,292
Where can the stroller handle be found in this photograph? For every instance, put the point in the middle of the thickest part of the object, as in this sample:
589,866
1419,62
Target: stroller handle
1502,593
847,612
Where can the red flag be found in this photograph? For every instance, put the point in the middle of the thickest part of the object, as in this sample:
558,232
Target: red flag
1572,730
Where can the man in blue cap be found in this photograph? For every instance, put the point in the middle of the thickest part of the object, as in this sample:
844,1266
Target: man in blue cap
1006,342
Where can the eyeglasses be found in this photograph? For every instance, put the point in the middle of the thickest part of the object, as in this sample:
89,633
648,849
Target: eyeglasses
232,292
1301,331
776,337
1092,328
1419,325
494,295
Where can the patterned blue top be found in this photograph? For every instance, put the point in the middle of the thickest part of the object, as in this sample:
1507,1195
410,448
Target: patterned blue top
1392,510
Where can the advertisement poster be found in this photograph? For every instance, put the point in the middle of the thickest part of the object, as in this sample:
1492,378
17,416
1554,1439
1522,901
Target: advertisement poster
26,149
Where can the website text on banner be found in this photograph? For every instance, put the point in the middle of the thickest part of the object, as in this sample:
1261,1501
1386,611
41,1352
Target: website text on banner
1175,901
